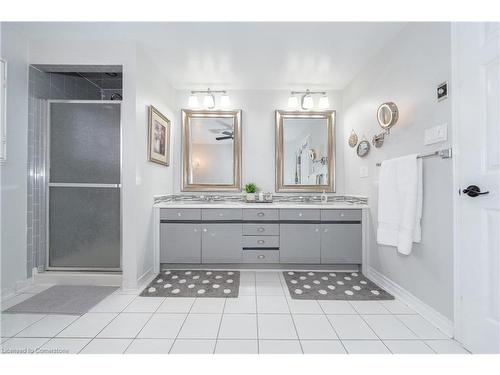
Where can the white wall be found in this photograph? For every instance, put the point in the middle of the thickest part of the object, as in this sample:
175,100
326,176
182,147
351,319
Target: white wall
407,72
258,129
151,178
13,172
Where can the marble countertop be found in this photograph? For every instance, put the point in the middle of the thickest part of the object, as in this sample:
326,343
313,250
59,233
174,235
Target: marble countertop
283,205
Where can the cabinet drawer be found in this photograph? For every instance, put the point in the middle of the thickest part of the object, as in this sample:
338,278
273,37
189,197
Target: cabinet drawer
221,214
180,214
341,215
261,256
258,214
261,241
299,215
261,229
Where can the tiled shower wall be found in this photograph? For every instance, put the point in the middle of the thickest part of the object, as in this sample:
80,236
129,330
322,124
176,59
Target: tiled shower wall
43,86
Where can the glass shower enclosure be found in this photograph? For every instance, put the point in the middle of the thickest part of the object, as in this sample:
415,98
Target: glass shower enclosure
84,185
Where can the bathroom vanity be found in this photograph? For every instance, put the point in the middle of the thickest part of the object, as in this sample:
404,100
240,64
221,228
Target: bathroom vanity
281,233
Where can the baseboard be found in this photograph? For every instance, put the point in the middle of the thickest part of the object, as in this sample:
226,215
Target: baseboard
78,278
146,275
439,320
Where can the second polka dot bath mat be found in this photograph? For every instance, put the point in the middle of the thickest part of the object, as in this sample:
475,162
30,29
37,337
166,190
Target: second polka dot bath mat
194,283
333,286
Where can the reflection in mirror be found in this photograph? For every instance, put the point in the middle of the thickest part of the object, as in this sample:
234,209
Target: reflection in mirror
304,151
211,152
211,144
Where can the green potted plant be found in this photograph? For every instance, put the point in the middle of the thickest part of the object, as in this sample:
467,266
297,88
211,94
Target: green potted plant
250,189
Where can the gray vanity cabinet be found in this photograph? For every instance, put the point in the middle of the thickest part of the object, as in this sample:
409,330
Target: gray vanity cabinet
180,243
300,243
221,243
341,243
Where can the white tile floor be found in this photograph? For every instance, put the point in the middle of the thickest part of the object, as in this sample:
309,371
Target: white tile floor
263,319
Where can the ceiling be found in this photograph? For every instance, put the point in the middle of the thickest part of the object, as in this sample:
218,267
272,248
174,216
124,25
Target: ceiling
242,55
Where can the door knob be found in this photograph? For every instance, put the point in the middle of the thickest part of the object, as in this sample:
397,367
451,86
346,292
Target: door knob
473,191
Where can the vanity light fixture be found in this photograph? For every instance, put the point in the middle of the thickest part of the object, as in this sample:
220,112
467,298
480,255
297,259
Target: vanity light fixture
323,102
193,101
208,99
307,100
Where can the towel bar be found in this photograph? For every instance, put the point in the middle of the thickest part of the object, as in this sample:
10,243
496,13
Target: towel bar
444,154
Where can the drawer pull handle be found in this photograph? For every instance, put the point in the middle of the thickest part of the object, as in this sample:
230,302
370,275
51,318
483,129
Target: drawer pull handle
316,230
301,214
204,229
261,241
179,214
221,214
326,230
341,214
260,214
261,256
261,229
195,230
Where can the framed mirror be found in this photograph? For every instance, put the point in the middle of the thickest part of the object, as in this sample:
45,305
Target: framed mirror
305,155
211,150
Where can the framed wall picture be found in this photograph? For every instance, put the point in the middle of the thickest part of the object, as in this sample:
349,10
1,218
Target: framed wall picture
159,137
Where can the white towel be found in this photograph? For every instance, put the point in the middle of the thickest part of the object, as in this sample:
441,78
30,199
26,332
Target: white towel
400,203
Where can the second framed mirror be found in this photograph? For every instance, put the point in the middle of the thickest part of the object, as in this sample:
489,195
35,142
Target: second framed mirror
305,152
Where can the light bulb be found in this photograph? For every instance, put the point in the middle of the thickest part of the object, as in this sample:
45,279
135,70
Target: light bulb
307,102
323,102
209,101
293,102
193,101
224,101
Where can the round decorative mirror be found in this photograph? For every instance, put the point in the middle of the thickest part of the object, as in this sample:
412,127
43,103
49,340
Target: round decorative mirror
363,148
387,115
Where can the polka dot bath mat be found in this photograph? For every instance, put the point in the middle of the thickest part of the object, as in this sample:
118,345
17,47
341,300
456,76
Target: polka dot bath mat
194,283
333,286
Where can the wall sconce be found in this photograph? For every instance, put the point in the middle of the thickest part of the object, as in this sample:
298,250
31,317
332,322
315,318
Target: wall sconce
307,101
208,99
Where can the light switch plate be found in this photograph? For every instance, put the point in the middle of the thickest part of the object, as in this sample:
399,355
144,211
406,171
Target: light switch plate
436,134
363,172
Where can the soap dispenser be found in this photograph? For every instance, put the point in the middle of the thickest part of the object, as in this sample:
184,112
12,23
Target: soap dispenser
324,197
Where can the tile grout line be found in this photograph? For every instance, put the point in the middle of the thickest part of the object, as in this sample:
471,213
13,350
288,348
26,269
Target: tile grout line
331,325
137,334
291,315
182,325
415,333
220,324
11,337
256,309
375,333
112,320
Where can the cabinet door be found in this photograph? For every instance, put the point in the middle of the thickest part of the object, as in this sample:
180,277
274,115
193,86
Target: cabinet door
300,243
180,243
341,243
221,243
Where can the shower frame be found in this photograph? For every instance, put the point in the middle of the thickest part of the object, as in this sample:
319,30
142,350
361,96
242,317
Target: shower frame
47,267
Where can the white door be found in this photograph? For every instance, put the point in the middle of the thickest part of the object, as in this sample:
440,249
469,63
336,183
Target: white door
476,83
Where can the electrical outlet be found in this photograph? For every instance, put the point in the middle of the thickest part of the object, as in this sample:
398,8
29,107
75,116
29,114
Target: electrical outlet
436,134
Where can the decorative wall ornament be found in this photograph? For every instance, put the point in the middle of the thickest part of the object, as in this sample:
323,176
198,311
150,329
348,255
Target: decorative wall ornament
363,148
353,139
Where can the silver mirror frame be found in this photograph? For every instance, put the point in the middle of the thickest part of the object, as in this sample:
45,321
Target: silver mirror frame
328,115
189,114
393,109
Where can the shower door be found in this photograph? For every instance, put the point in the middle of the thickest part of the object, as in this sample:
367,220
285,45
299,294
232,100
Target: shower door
84,183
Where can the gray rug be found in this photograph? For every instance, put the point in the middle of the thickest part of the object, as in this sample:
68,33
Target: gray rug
194,283
64,299
352,286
